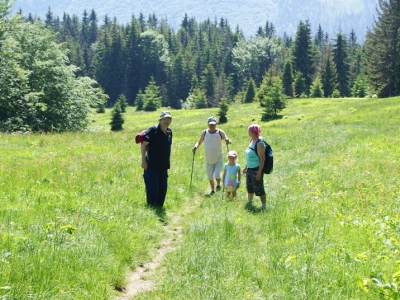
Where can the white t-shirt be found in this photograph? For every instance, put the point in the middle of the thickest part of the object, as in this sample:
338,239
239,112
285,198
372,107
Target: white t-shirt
213,147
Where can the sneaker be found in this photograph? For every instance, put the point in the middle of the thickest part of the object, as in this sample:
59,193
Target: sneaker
212,193
218,188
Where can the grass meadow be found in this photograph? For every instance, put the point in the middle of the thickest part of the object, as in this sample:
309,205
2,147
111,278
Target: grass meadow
73,219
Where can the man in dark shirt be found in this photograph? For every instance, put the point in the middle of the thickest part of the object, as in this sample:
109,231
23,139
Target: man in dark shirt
156,152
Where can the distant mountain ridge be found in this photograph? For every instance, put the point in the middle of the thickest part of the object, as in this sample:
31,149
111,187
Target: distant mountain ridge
332,15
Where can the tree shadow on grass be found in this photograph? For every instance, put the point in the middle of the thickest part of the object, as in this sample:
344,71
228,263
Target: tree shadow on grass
271,118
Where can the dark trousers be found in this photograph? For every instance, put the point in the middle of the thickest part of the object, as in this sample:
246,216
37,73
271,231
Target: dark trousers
156,182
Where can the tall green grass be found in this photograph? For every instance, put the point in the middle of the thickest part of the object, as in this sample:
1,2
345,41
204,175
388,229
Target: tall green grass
74,220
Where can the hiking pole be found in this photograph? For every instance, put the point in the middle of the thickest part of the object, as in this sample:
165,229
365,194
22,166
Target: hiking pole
191,175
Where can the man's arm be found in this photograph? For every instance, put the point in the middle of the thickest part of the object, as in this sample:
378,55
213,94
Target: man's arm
143,150
200,141
225,137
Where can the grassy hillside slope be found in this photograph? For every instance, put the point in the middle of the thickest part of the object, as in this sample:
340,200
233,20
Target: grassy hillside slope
74,218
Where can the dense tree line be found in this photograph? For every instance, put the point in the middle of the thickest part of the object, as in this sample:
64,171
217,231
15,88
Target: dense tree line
207,57
201,63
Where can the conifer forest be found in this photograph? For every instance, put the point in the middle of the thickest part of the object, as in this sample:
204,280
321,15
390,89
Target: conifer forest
51,65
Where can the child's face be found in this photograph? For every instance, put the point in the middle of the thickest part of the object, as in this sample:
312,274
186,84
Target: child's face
231,158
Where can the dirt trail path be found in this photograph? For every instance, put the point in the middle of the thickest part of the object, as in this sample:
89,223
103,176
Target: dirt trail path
139,281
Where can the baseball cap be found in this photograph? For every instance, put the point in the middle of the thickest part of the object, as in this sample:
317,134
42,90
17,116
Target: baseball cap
212,120
165,114
232,154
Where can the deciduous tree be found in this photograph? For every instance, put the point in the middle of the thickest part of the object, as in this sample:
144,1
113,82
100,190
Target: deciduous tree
38,87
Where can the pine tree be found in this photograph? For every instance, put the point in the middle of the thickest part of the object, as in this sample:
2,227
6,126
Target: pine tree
319,38
139,101
263,89
383,50
142,22
287,79
223,111
93,27
303,56
117,120
299,86
152,96
179,83
355,58
250,92
329,77
223,88
101,107
208,84
132,62
341,60
110,67
122,101
49,21
316,89
360,87
274,99
199,98
84,32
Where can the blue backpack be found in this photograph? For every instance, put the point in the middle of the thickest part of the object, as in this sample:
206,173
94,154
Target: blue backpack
269,156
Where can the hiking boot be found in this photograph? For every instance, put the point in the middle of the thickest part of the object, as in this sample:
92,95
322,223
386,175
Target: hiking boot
218,188
212,193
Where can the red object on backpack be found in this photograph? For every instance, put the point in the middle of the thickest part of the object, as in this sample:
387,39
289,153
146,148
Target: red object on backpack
140,136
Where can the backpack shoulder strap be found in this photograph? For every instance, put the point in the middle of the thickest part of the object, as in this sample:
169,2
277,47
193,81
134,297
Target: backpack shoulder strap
152,131
255,145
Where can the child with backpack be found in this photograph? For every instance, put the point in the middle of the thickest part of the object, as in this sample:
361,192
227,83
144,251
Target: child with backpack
231,175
